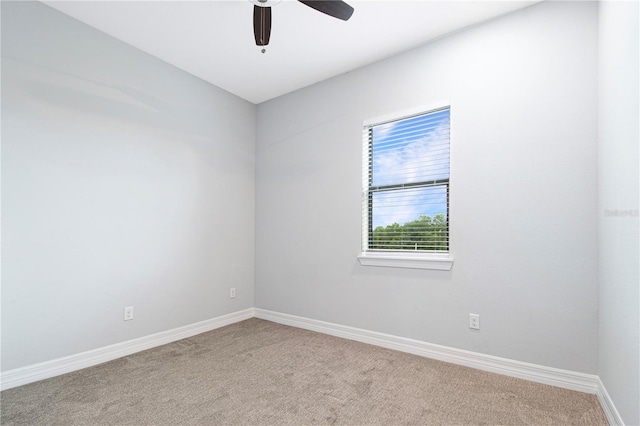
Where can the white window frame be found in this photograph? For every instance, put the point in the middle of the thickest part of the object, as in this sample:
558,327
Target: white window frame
442,261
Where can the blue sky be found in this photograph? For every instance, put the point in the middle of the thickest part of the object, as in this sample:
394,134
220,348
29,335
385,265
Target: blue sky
399,151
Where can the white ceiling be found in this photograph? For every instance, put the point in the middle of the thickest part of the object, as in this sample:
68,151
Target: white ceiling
213,39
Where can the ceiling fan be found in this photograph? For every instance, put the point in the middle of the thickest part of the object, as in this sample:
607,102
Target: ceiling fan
262,15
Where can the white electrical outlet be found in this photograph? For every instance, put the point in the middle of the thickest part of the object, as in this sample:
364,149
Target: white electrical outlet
232,293
474,321
128,313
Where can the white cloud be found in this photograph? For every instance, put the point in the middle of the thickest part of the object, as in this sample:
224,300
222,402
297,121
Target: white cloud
416,161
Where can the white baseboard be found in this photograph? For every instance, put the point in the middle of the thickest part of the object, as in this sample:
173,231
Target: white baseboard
56,367
536,373
613,417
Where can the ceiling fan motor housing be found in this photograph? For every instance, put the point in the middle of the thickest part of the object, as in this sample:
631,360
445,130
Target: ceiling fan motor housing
262,15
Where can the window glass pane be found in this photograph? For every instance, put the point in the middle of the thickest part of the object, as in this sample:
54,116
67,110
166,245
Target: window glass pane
412,150
409,219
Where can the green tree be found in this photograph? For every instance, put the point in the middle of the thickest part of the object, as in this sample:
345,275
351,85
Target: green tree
424,233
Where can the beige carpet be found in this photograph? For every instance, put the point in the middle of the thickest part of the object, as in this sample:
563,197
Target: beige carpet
260,373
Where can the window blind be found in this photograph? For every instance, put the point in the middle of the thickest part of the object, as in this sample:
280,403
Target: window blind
406,183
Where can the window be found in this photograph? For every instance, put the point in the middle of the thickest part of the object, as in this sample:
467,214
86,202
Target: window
406,191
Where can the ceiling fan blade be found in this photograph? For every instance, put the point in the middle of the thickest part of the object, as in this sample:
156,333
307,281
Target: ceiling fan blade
261,25
336,8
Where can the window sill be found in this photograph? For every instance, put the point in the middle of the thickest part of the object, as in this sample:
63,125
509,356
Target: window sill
434,261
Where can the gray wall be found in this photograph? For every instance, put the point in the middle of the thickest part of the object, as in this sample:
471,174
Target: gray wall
523,95
124,182
618,189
